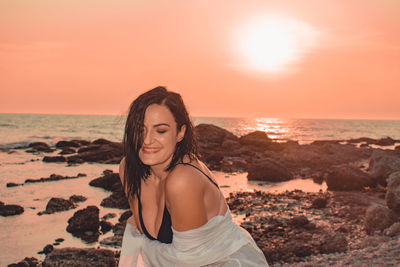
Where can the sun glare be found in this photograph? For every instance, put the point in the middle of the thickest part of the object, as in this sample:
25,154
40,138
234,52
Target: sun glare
271,43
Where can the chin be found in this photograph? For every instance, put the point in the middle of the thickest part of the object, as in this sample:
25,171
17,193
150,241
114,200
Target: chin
152,161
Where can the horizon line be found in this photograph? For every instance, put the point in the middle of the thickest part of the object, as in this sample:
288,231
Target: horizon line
213,116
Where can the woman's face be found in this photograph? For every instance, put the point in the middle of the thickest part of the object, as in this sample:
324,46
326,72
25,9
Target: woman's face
160,136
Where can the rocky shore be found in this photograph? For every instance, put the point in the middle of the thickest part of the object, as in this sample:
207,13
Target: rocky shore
357,217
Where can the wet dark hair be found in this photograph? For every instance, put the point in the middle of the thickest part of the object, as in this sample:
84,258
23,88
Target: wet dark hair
135,170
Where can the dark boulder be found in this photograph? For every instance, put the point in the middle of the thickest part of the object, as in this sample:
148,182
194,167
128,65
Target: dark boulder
107,181
378,218
125,216
298,221
28,261
11,184
105,152
105,226
54,159
39,146
347,177
85,223
56,204
67,150
382,164
116,200
10,210
393,192
47,249
90,147
319,203
257,140
268,170
77,257
77,198
68,144
101,141
208,133
333,243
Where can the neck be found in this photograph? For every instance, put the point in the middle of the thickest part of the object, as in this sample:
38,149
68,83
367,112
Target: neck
159,172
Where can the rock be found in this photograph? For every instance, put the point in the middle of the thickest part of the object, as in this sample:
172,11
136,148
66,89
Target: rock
56,204
101,141
208,133
109,216
393,230
10,210
85,223
28,261
75,159
76,257
125,216
378,218
116,200
347,177
319,203
11,184
68,144
53,177
106,182
382,164
393,192
333,244
233,164
258,139
387,141
67,150
77,198
105,226
319,157
39,146
268,170
112,241
298,221
91,147
54,159
108,151
47,249
118,229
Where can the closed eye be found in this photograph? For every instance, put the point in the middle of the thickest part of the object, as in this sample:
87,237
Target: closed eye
161,131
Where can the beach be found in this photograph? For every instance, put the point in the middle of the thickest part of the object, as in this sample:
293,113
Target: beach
304,201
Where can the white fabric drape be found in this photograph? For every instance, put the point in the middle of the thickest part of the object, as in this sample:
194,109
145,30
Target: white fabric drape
219,242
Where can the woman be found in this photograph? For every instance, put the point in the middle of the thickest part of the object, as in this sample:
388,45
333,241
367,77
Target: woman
180,217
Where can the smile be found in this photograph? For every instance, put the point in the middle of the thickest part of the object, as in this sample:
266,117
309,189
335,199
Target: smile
150,150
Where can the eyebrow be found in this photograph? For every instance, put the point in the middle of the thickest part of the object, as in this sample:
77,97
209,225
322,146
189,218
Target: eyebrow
161,124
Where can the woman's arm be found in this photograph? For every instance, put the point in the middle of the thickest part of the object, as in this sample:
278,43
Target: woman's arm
132,240
184,196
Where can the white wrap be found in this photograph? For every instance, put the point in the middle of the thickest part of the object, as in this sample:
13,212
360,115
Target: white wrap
219,242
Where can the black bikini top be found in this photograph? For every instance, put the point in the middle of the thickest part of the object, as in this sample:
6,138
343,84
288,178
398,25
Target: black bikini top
165,231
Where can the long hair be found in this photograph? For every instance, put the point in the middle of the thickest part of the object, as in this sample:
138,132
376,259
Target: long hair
135,169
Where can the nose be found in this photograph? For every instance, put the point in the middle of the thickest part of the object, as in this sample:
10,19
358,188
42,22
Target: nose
147,137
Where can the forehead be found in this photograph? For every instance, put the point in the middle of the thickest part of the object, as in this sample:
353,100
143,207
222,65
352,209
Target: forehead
156,114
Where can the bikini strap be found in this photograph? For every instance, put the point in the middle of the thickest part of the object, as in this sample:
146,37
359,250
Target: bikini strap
209,178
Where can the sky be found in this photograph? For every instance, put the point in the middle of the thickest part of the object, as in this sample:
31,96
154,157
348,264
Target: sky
227,58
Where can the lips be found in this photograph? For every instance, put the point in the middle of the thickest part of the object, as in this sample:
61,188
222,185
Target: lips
150,150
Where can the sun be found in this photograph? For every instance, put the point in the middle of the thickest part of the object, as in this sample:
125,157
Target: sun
272,42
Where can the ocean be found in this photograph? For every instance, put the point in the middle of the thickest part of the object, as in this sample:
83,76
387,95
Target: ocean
26,234
21,129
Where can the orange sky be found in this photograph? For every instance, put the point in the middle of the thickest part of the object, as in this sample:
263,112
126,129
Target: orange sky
96,56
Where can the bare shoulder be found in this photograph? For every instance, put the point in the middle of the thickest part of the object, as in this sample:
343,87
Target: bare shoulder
183,179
